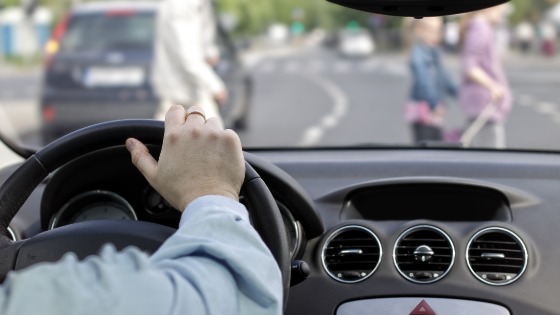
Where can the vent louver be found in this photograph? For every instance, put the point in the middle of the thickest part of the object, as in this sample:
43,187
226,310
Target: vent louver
496,256
351,254
423,254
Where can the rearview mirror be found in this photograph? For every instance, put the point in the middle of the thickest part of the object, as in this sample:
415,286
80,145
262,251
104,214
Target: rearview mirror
418,8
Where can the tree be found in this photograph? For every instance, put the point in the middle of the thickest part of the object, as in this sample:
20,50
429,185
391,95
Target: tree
255,16
530,9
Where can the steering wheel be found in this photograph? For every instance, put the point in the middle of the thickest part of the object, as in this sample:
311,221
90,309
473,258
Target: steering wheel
87,238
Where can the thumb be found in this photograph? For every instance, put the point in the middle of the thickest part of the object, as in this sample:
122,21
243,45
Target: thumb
142,159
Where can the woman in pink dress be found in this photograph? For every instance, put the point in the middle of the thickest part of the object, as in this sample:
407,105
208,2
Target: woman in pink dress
484,81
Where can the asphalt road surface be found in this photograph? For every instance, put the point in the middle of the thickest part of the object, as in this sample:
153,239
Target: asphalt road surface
313,97
316,98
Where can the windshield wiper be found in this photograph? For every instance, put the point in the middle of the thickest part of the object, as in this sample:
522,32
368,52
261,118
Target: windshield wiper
423,144
17,147
441,144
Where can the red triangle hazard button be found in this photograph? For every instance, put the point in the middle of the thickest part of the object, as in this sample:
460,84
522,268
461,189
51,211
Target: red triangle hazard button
423,309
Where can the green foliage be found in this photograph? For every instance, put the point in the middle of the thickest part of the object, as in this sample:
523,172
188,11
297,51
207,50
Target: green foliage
11,3
254,16
530,9
59,7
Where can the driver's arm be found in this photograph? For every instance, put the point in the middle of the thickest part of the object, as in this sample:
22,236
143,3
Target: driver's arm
215,263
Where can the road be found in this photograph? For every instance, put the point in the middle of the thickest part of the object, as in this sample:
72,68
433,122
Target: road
19,113
315,98
312,97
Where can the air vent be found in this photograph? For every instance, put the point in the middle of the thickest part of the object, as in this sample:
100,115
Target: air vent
496,256
424,254
351,254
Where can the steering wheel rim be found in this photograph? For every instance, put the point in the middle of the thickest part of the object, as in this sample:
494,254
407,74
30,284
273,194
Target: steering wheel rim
19,186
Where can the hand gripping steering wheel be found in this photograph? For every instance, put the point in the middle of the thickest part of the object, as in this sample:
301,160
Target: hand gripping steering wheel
87,238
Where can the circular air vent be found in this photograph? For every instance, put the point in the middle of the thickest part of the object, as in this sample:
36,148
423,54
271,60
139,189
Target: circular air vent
496,256
423,254
351,254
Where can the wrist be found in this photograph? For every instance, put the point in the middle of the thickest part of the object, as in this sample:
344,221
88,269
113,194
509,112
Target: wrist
202,206
207,192
493,86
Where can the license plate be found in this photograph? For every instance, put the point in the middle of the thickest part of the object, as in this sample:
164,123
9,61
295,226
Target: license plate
108,77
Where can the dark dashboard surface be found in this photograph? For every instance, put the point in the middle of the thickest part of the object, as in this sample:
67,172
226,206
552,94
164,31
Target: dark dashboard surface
454,193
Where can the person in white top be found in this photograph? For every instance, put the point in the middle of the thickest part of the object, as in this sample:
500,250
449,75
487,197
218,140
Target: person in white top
185,51
525,35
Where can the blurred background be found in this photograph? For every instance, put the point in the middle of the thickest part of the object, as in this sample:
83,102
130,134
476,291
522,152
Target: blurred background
343,71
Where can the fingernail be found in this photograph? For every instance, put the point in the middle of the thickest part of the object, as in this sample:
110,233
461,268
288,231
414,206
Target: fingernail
129,145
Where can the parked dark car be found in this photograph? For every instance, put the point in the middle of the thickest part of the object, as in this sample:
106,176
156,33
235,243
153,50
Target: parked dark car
98,69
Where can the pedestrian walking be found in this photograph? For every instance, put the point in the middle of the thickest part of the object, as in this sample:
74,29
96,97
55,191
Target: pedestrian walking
484,82
185,53
525,36
431,81
547,32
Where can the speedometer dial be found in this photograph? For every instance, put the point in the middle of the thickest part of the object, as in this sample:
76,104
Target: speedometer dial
93,205
105,210
293,229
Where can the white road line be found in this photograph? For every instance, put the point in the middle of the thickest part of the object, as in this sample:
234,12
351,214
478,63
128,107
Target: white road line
369,65
291,67
546,108
542,77
342,67
268,67
253,58
316,66
313,134
396,70
525,100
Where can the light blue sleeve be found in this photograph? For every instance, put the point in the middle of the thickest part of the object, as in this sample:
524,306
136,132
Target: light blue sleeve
214,264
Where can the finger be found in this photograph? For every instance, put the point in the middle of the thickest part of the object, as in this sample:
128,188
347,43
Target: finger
195,116
175,117
233,138
142,159
214,123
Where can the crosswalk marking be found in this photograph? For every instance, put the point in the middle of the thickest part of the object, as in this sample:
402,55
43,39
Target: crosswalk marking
316,66
525,100
550,109
394,69
546,108
371,64
337,67
291,67
268,67
342,67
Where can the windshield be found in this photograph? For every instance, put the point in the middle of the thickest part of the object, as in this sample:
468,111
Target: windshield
286,73
103,32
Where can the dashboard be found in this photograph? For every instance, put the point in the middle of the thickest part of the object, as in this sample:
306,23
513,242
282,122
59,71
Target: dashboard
384,231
